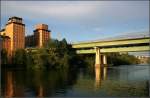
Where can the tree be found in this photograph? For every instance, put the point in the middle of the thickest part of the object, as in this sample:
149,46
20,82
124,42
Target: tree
4,57
121,59
29,60
20,58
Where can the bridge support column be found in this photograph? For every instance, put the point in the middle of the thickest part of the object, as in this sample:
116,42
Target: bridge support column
97,57
104,60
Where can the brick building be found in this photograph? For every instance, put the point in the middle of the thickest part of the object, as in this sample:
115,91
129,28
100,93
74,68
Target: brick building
41,34
15,30
29,41
40,37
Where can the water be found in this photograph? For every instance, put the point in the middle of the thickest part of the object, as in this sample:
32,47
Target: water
108,81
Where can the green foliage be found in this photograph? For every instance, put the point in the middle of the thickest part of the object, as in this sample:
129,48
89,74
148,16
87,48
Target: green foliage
115,59
148,60
121,59
19,58
55,54
60,54
4,58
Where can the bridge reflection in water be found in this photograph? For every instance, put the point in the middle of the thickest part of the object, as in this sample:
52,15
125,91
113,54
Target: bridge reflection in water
100,74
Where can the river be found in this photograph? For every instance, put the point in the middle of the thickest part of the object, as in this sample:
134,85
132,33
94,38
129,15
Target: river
127,80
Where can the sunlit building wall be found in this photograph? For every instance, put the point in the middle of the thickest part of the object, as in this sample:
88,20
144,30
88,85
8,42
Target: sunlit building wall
6,42
41,35
15,30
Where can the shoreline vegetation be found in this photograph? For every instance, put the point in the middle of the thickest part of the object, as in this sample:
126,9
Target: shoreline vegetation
60,55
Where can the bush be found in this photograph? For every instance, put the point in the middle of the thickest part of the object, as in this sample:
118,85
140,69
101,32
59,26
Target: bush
4,57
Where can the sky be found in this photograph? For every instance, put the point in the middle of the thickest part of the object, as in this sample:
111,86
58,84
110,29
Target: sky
81,20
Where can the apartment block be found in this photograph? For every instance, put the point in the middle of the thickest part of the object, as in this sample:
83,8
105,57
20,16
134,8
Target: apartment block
15,30
41,35
30,41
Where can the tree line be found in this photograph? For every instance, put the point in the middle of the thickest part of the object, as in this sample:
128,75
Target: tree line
55,54
59,54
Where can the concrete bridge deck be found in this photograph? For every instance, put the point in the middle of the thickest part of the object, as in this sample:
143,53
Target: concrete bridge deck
113,43
99,48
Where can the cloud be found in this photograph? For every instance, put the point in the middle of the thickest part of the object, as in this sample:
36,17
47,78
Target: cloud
85,11
97,29
102,18
46,9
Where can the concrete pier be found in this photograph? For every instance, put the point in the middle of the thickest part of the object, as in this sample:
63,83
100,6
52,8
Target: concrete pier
97,57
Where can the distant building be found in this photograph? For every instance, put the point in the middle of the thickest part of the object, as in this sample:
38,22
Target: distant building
39,38
29,41
143,59
15,30
41,34
14,35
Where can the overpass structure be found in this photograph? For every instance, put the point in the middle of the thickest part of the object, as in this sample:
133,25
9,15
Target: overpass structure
101,47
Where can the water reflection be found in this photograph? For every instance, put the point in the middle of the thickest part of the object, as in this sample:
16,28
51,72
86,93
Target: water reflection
104,73
40,91
100,74
97,77
38,81
9,90
58,83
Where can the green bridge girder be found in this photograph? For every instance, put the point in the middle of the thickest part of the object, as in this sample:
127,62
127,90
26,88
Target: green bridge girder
118,49
112,43
130,45
122,45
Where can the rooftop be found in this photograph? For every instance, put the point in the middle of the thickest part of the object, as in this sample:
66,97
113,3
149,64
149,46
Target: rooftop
14,17
4,37
2,30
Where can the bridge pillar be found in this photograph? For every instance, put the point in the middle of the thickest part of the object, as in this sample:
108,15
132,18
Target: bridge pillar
104,59
97,57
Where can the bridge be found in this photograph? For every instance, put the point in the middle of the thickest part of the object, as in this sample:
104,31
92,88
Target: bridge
108,46
99,48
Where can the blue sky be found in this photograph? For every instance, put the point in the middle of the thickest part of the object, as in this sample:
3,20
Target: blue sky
80,20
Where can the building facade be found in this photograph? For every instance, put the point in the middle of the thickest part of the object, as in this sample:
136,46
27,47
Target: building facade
6,42
15,30
41,35
30,41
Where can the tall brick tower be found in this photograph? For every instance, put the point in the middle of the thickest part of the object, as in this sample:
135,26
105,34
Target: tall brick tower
15,29
41,34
